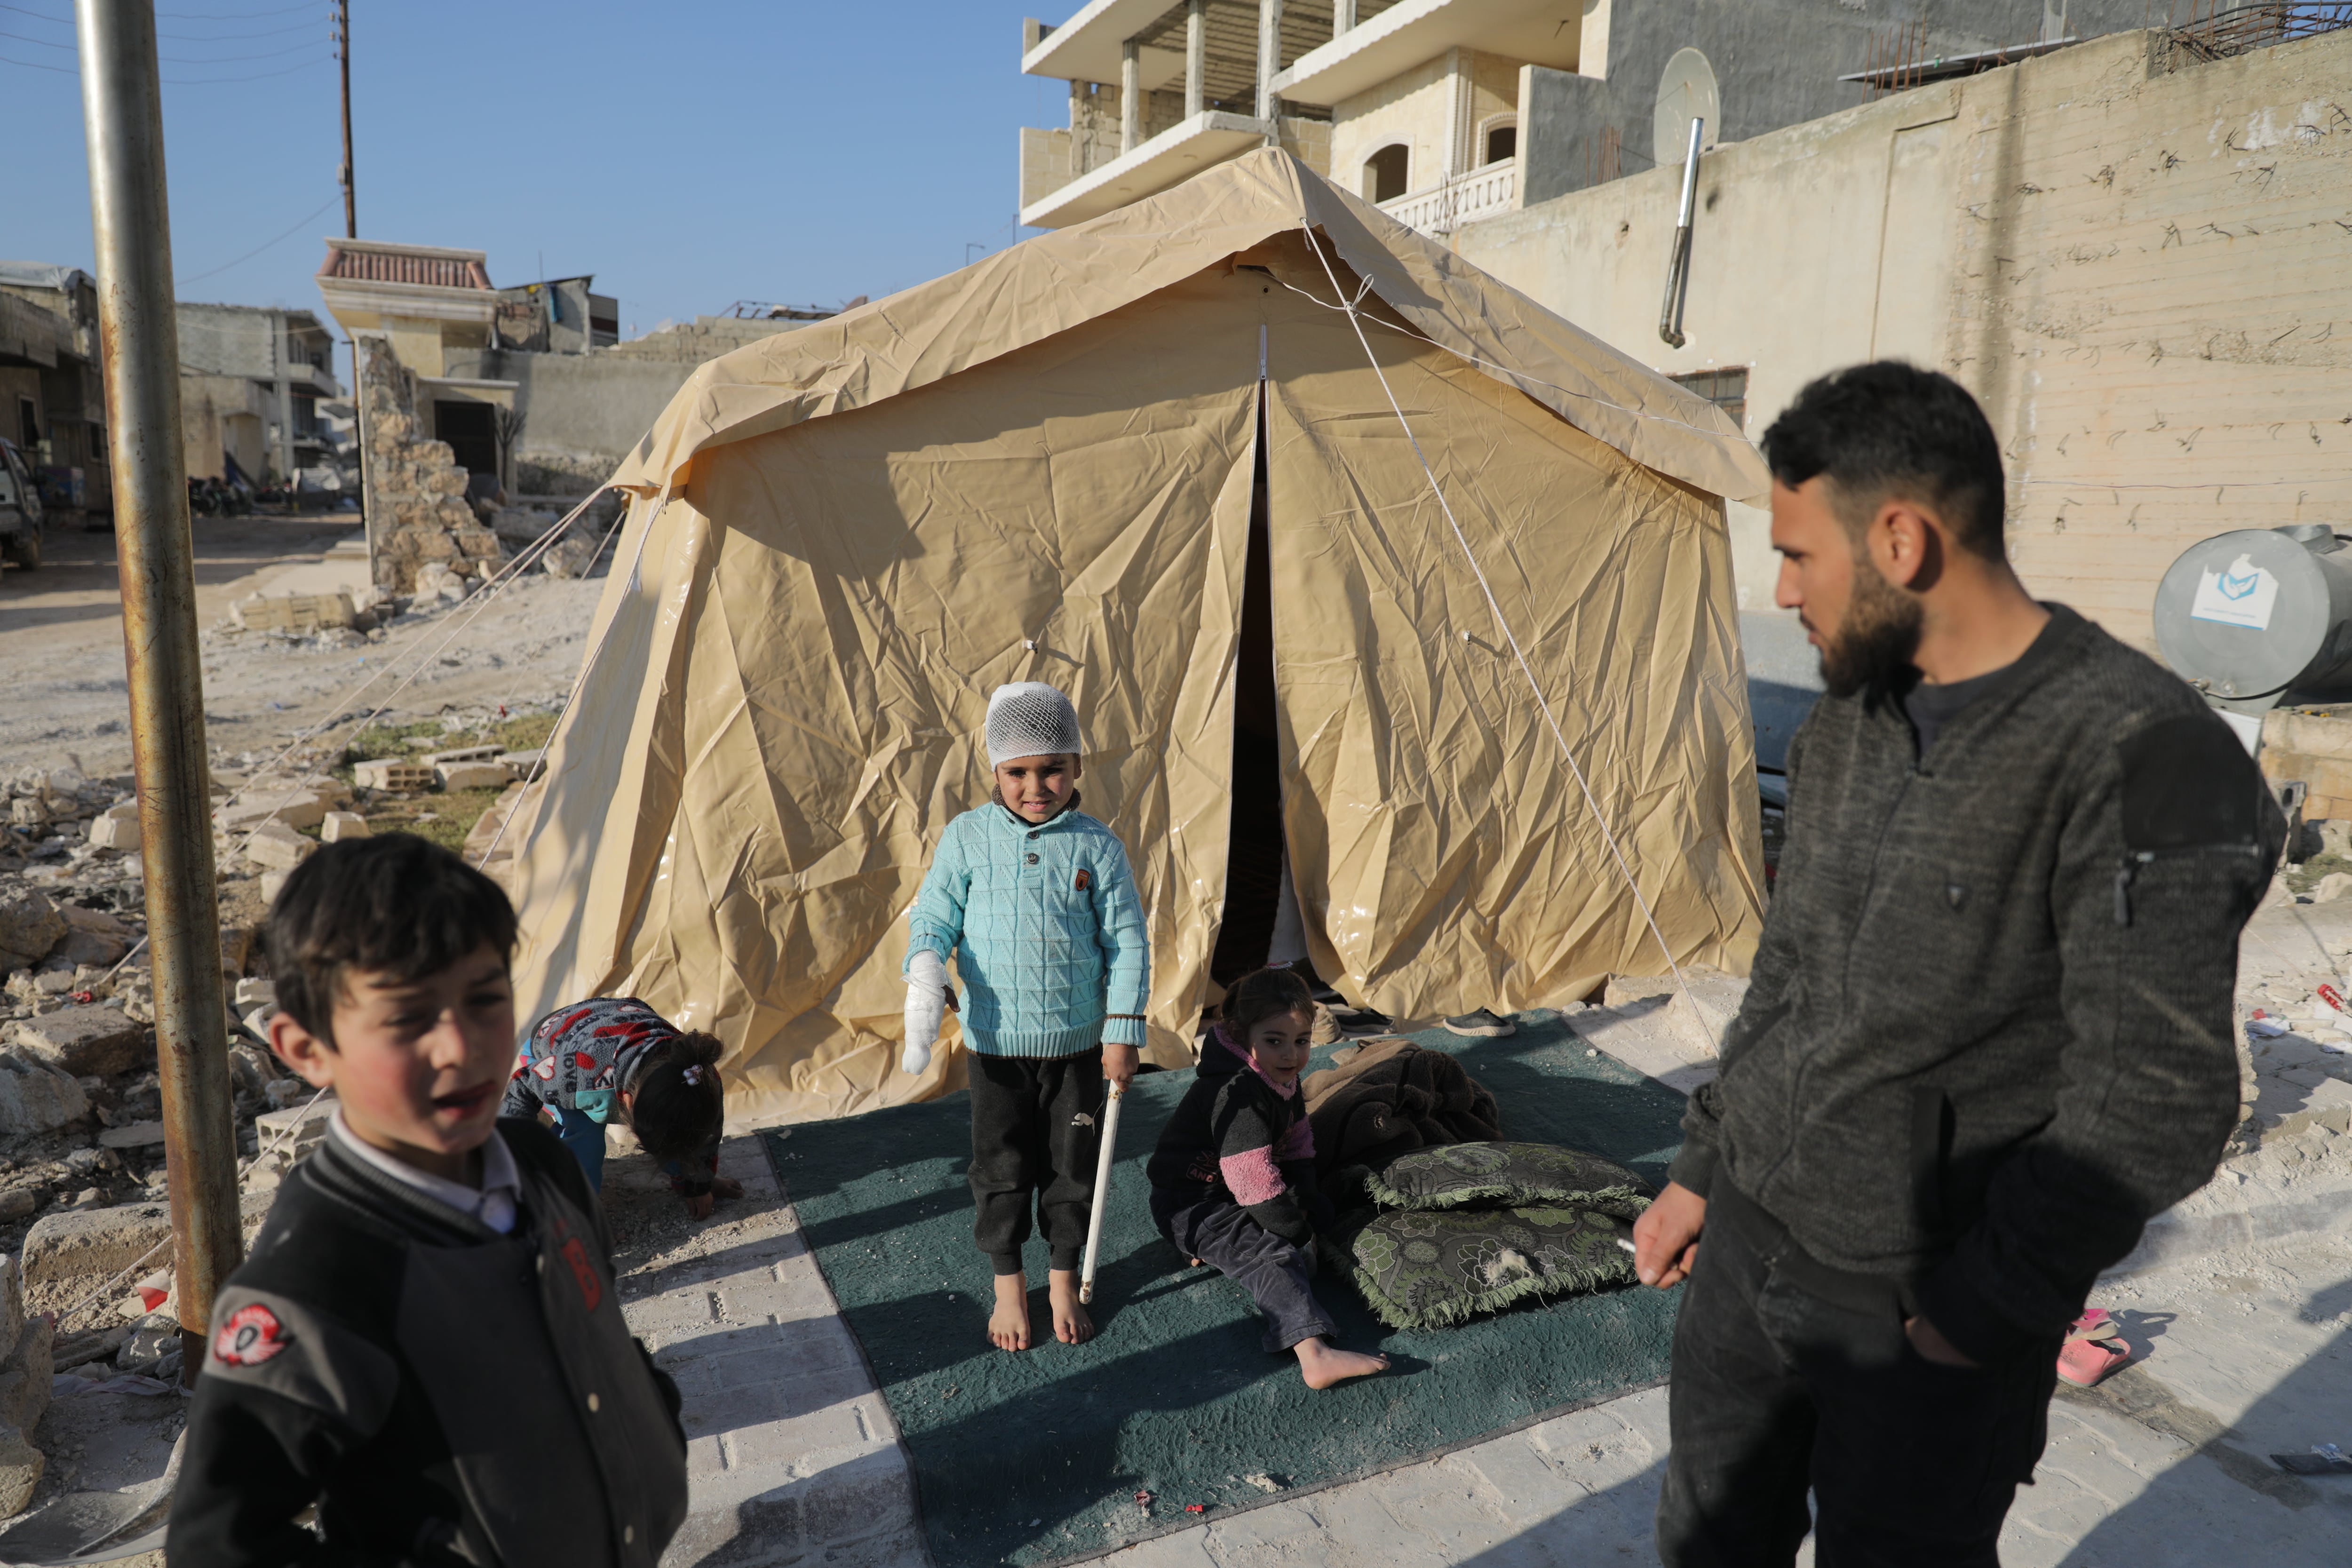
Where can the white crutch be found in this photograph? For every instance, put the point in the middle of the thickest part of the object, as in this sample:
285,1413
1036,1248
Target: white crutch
1102,1190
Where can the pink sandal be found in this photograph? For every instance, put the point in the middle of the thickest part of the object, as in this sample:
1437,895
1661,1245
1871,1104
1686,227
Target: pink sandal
2092,1350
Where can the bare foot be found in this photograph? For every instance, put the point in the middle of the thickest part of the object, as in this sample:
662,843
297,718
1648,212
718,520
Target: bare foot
1072,1326
1008,1325
1322,1366
726,1189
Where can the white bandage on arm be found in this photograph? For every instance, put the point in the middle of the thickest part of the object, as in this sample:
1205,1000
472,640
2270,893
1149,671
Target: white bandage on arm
926,1003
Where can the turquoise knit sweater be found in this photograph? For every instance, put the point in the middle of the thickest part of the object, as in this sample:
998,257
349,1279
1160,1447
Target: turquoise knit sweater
1047,930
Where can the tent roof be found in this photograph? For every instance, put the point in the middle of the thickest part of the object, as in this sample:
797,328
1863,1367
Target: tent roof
1054,281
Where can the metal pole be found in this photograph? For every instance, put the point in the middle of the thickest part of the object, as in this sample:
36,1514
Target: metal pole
343,53
1670,311
139,336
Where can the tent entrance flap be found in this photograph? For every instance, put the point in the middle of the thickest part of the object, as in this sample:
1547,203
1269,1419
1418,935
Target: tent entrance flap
1256,873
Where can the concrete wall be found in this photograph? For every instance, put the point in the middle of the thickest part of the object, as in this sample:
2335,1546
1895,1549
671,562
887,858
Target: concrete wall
1424,109
582,413
2138,263
1776,63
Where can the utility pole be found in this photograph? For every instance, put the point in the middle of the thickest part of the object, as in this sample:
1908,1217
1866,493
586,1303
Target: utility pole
343,53
139,334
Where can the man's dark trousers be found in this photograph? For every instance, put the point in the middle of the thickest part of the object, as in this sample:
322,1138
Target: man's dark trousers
1035,1138
1777,1389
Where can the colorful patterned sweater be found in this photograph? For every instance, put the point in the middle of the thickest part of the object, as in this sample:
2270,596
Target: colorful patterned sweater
1046,928
579,1057
1237,1131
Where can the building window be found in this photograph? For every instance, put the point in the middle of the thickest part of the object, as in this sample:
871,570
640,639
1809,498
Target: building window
1502,140
1727,389
306,419
1384,173
28,425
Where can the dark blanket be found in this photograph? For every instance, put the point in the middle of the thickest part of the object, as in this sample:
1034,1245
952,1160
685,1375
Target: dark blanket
1393,1100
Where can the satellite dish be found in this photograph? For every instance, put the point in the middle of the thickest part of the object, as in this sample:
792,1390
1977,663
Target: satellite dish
1687,91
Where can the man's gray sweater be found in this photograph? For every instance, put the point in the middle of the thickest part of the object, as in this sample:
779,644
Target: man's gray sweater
1988,1033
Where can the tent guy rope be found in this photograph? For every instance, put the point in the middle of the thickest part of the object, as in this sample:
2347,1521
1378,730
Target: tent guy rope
1493,606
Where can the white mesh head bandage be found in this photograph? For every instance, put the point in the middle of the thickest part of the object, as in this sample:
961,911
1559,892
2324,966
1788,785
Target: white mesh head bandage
1030,719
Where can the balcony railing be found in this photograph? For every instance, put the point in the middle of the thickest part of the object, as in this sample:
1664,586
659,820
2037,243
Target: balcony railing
1465,199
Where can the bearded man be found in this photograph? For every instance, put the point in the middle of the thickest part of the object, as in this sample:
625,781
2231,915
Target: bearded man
1988,1033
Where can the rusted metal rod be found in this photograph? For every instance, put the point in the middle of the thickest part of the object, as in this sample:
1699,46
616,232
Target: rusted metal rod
139,334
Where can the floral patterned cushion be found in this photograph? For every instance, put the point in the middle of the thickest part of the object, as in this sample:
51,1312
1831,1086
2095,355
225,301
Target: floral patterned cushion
1426,1268
1504,1174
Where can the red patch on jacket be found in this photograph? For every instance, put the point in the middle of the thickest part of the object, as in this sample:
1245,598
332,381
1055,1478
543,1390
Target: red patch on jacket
576,1255
251,1336
1085,881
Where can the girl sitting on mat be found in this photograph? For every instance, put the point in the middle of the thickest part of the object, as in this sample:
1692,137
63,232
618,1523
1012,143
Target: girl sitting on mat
588,1062
1233,1181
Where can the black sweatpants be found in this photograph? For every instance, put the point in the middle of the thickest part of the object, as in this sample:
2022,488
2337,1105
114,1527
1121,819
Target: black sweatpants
1204,1221
1777,1389
1035,1130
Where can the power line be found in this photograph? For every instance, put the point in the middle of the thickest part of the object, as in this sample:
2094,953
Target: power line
234,16
239,60
183,282
232,81
32,66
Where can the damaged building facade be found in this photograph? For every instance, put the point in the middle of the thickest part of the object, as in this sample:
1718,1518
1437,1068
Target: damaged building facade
52,390
252,383
475,401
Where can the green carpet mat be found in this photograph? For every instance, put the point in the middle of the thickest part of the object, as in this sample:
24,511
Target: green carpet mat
1030,1458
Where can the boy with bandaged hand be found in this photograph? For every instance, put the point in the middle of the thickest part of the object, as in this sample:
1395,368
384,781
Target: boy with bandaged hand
1034,900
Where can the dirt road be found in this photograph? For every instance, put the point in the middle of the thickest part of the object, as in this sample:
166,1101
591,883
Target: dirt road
61,661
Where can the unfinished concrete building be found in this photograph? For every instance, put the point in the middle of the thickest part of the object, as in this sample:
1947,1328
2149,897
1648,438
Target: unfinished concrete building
251,381
1447,111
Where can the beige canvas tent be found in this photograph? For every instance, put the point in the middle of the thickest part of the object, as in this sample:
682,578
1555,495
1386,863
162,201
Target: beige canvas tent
843,538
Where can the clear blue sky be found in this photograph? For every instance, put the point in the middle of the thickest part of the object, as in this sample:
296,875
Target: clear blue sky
690,154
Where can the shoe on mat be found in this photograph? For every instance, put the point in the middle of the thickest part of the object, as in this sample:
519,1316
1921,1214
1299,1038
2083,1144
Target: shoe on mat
2084,1363
1361,1020
1484,1024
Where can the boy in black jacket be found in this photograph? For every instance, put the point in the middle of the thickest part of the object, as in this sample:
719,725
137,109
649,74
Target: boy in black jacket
426,1342
1233,1179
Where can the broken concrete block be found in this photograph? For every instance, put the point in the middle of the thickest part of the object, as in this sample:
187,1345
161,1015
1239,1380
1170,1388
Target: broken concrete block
341,824
96,922
25,1377
272,884
462,754
114,833
21,1465
2332,887
275,844
29,926
153,1338
293,611
95,948
87,1041
95,1242
292,807
474,775
571,558
298,1126
28,812
388,773
253,990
